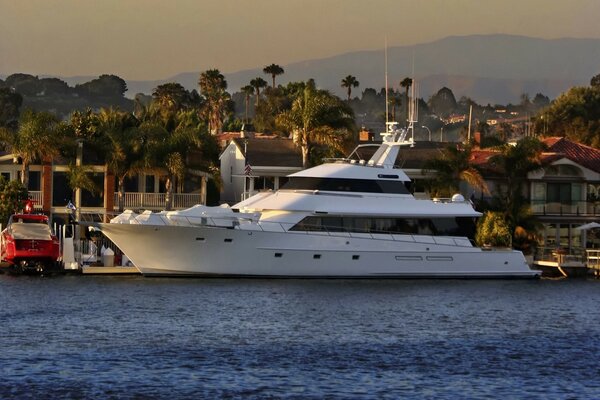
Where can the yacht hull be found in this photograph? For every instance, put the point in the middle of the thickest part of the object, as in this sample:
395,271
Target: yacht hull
166,250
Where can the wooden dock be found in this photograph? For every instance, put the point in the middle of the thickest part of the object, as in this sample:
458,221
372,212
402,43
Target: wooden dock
100,270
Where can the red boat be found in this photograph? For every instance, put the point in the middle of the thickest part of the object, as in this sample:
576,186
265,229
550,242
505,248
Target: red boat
28,244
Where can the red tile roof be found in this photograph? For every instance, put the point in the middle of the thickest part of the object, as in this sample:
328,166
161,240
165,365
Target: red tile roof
558,147
583,155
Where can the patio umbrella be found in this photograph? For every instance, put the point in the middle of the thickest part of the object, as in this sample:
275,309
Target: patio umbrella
587,226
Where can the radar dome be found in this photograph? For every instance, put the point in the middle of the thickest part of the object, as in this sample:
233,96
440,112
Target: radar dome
457,198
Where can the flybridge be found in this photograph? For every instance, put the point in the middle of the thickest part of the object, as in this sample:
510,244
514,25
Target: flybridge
393,139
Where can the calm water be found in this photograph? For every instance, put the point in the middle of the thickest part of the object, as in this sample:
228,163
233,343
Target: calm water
134,337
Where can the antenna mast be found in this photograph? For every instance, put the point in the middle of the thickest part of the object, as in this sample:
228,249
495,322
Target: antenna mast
386,86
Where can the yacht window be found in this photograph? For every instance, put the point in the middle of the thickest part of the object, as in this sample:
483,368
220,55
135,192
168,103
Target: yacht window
346,185
446,226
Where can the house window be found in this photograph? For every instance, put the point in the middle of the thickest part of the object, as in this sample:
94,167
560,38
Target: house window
563,171
149,184
35,178
264,183
564,193
130,184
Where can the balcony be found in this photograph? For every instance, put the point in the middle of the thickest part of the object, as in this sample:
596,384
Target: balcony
137,201
156,201
582,208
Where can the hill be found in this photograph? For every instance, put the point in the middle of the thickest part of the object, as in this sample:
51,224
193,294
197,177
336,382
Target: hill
493,69
488,68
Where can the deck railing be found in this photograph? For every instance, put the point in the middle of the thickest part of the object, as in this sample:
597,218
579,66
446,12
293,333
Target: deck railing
137,201
558,254
250,224
36,196
573,208
157,201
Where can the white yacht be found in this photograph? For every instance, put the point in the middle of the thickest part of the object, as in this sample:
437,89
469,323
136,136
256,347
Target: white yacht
342,219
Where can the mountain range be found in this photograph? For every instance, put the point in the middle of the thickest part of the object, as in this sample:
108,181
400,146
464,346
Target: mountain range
495,69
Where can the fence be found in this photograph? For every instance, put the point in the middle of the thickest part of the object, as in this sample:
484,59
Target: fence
156,201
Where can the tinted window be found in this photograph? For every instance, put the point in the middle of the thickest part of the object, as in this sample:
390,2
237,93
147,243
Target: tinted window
346,185
449,226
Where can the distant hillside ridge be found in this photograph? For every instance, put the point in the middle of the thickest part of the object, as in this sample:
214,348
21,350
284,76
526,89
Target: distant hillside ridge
493,69
488,68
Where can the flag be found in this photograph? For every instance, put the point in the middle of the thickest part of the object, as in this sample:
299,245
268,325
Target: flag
248,169
71,206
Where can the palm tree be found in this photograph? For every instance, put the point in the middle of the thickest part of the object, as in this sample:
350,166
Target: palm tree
78,177
395,102
273,70
349,82
248,91
258,83
450,169
34,140
406,83
213,87
165,153
169,98
317,117
119,137
514,163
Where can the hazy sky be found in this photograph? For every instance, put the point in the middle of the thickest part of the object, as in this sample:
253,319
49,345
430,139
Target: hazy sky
155,39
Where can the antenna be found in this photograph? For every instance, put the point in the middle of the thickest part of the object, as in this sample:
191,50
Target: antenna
386,85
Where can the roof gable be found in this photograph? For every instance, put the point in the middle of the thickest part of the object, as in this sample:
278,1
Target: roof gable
581,154
269,152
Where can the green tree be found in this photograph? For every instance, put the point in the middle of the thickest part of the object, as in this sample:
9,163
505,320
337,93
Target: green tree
54,87
396,102
349,82
110,86
575,115
119,137
317,117
34,140
443,103
217,101
275,102
513,163
12,197
248,91
450,169
10,102
78,177
492,230
172,97
25,84
258,84
595,81
84,124
165,153
540,101
406,83
273,70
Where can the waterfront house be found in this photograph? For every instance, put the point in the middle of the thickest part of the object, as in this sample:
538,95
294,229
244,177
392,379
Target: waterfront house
564,194
254,163
49,189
